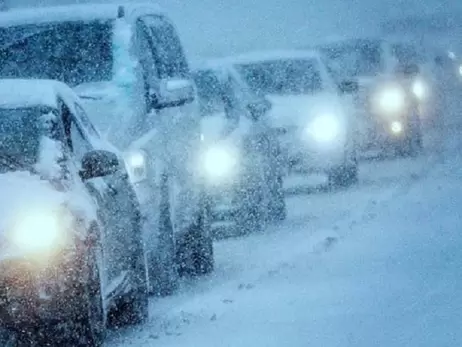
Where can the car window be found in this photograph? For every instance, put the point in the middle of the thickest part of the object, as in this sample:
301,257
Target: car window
146,50
406,54
167,49
80,145
82,116
283,76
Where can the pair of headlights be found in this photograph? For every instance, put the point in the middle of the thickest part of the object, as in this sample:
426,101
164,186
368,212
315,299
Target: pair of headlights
393,99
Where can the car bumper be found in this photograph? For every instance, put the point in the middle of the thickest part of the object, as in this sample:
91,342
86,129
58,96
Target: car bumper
32,294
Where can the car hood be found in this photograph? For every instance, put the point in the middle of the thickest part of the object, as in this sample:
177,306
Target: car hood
25,195
215,126
297,110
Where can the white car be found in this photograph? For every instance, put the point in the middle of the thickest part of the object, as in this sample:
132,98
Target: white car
127,63
312,115
394,100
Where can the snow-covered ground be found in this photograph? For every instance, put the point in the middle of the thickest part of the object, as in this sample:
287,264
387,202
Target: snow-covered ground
378,264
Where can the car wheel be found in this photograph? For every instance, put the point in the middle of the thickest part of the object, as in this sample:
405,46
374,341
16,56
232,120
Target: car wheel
343,176
277,209
204,260
249,214
89,324
412,145
163,271
134,308
195,248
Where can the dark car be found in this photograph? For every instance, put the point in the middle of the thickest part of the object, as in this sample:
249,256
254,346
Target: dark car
72,257
242,157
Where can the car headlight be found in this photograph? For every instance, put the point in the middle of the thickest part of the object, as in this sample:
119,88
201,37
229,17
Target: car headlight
420,89
390,101
220,162
40,231
396,127
324,129
136,162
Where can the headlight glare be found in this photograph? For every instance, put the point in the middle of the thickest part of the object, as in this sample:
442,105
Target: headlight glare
420,89
220,162
40,231
390,101
136,162
324,128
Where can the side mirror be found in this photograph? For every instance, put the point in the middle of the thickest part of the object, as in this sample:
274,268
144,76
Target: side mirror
259,108
173,92
349,87
99,163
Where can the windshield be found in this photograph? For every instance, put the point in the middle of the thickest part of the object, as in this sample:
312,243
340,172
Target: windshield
214,95
72,52
20,134
356,59
283,77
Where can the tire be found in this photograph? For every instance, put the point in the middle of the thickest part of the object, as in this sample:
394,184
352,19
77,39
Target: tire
195,254
344,176
89,324
163,271
277,208
134,309
249,215
94,323
412,145
204,259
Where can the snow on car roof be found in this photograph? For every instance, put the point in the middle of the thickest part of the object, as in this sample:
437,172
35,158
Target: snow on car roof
34,92
68,13
258,56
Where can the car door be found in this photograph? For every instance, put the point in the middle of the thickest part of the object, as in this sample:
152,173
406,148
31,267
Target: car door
179,127
113,237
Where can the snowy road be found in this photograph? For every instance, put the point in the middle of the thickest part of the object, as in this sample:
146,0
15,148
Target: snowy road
360,267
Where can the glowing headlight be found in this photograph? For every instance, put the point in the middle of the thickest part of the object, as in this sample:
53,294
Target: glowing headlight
420,89
396,127
136,165
325,128
220,162
390,101
136,159
40,231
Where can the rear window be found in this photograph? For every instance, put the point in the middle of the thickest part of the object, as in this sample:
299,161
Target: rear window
72,52
284,76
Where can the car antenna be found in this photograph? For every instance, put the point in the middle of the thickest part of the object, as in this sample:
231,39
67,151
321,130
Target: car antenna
121,12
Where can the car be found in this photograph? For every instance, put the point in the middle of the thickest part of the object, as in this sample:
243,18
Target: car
313,116
126,62
241,158
72,252
378,65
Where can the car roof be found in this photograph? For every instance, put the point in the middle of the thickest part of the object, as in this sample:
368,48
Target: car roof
258,56
35,92
81,12
354,41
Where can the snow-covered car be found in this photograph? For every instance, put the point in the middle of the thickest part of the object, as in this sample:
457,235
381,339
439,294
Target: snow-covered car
71,246
241,159
393,94
313,117
127,64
